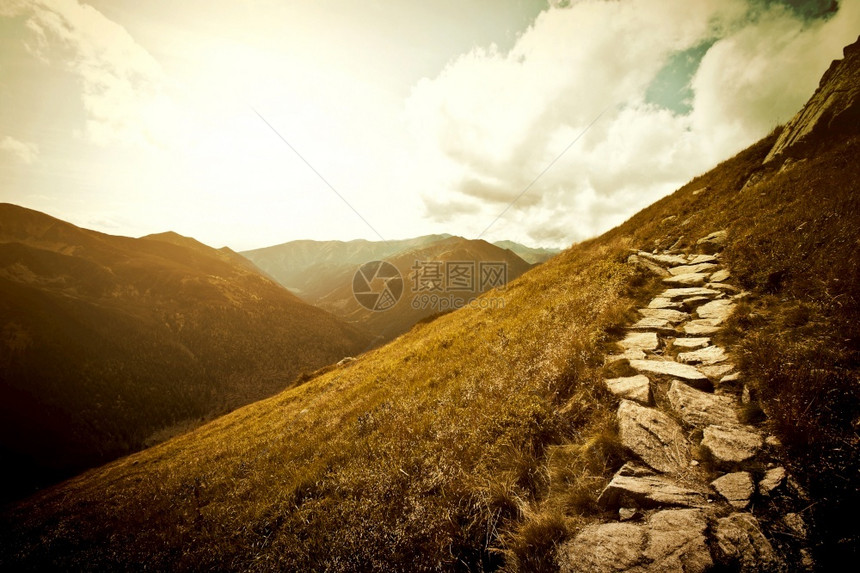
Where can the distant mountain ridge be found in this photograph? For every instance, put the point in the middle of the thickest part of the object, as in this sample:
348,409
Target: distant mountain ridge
108,344
322,272
529,254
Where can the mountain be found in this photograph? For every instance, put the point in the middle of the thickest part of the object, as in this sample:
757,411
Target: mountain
429,284
111,344
529,254
312,269
485,439
323,274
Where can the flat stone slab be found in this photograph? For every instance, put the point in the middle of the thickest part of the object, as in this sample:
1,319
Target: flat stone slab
632,354
698,268
648,491
701,409
691,279
773,478
741,542
697,259
718,310
737,488
665,260
731,444
667,314
669,368
691,343
655,324
672,541
717,371
662,302
700,327
686,292
653,436
636,388
640,341
648,265
706,356
720,276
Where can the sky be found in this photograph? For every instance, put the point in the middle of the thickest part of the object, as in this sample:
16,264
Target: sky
249,123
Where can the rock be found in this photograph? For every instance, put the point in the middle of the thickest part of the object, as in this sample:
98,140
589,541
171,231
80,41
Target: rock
647,265
688,269
653,436
691,342
665,260
604,548
737,488
677,543
640,341
730,382
797,525
706,356
698,259
725,287
717,310
667,314
627,513
701,409
686,292
635,388
669,368
673,541
772,479
834,108
773,442
713,242
744,546
649,491
720,276
700,327
694,302
632,354
691,279
654,324
731,444
661,302
716,371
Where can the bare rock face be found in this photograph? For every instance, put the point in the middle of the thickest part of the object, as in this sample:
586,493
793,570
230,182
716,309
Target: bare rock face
701,409
653,436
744,546
834,108
737,488
673,541
731,444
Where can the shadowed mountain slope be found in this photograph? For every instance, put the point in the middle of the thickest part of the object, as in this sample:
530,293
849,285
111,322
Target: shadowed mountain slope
110,343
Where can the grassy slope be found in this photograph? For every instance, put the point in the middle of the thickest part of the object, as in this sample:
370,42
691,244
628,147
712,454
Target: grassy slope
486,435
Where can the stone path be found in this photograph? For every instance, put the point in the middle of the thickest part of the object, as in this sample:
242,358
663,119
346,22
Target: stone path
684,504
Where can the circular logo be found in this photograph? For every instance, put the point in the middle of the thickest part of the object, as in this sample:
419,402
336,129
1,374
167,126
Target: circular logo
377,285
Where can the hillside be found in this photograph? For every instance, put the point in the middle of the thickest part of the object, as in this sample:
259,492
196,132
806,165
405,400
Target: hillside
529,254
484,439
111,344
312,269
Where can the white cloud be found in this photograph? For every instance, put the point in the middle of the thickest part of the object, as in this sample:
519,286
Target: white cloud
121,84
24,152
491,122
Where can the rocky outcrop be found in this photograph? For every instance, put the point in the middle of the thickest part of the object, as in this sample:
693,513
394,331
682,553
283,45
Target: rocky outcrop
833,109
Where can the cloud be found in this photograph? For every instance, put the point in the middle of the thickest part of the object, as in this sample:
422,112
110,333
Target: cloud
121,83
25,152
493,121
